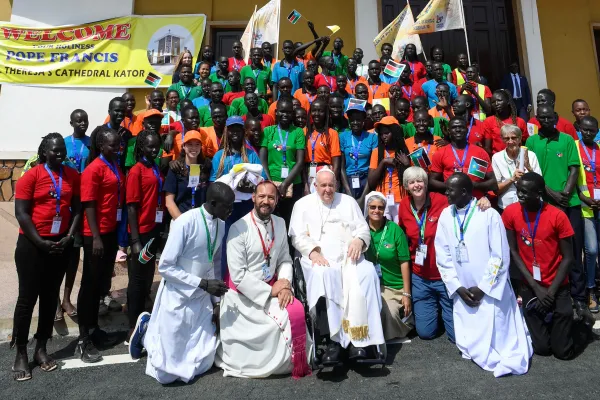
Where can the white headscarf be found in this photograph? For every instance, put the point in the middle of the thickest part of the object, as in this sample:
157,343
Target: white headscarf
370,197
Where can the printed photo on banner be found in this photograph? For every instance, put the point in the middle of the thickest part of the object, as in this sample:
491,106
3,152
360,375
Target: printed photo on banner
398,33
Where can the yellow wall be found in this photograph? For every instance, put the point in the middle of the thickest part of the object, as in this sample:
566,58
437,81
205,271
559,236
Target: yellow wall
320,12
568,44
5,10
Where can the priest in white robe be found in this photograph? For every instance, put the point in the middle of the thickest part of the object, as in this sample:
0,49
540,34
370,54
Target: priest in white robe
473,258
180,335
330,232
263,327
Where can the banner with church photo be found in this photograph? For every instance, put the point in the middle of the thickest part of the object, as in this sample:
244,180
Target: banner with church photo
128,52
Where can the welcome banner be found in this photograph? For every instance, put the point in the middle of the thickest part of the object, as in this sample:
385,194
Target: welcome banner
123,52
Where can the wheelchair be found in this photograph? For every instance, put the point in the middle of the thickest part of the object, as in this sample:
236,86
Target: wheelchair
376,354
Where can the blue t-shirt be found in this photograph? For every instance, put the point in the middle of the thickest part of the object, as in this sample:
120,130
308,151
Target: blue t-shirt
429,90
197,69
230,161
596,139
349,142
78,150
294,73
178,185
390,80
201,101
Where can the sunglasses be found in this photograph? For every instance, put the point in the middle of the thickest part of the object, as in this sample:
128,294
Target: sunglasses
380,208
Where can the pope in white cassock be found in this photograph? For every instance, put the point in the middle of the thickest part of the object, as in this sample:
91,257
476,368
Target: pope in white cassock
473,257
263,327
330,232
180,336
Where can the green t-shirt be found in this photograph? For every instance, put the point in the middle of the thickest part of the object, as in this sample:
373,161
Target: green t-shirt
295,141
393,251
238,107
186,92
262,78
447,70
555,157
226,86
130,156
341,63
205,117
410,130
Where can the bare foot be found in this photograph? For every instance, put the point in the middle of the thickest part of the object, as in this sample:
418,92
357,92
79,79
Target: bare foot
45,362
21,371
69,308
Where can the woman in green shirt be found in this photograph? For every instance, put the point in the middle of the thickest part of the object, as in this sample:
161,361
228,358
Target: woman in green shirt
389,253
282,157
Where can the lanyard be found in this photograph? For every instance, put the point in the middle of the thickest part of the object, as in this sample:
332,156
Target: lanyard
309,98
412,68
57,188
510,173
193,192
115,170
420,223
356,149
470,127
464,158
256,73
313,144
77,155
380,243
283,144
249,146
236,65
408,93
224,82
421,145
185,92
289,67
591,160
182,132
329,83
533,231
266,251
352,86
390,172
336,59
211,246
465,222
373,91
158,178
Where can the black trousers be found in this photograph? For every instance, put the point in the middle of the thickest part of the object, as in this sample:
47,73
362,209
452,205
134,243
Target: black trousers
555,337
40,275
577,272
141,276
96,270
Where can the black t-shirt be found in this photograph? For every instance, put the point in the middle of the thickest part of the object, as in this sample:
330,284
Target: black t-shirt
178,185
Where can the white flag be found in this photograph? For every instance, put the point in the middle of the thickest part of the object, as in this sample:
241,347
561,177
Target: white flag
398,34
263,26
440,15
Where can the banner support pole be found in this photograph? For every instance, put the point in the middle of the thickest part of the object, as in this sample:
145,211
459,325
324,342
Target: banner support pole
464,22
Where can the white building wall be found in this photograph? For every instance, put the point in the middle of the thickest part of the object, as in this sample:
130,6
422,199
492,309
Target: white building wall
366,20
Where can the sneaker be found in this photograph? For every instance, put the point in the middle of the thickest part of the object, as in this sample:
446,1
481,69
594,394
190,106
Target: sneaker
136,345
87,351
593,303
112,304
102,308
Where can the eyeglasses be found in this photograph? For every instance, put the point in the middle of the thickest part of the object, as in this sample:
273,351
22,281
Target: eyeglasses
380,208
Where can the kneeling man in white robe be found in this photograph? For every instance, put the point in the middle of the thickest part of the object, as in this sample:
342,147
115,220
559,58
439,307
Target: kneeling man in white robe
263,327
330,232
180,335
473,257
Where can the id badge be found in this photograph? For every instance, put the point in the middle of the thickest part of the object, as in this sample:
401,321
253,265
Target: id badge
596,194
422,248
56,223
537,272
355,182
419,258
119,214
159,216
266,272
390,201
285,171
194,179
461,253
378,270
312,171
476,116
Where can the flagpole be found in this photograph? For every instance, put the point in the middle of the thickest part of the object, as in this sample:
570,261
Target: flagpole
278,22
413,17
464,21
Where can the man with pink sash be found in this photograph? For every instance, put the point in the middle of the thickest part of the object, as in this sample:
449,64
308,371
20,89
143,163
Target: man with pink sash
263,330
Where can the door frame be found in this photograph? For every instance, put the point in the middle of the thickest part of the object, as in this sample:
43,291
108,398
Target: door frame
212,25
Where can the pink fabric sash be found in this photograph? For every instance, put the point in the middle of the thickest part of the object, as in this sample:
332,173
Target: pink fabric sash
298,330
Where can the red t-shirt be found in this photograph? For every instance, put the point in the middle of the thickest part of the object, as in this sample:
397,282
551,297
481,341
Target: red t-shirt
587,166
99,183
419,84
409,92
37,187
322,80
444,162
235,64
265,120
143,188
562,125
228,98
554,225
417,70
477,132
435,205
492,131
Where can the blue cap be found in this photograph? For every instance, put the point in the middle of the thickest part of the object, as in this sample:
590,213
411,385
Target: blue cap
235,120
355,107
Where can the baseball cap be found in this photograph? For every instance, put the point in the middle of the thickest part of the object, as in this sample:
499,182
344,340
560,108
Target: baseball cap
355,107
234,120
192,135
388,120
152,112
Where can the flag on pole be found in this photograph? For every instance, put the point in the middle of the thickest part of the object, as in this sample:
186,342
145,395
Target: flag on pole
397,33
439,15
478,167
294,16
420,158
394,69
262,27
333,28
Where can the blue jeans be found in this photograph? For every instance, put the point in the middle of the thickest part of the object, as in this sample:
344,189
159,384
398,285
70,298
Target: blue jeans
591,237
122,235
428,296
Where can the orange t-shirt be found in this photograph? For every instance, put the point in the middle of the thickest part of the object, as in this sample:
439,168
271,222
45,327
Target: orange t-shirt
272,109
208,146
214,141
326,147
380,91
430,149
351,85
384,187
435,113
305,99
127,122
138,126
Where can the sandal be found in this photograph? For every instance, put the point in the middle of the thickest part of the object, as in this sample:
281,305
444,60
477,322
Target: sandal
121,256
71,314
59,316
23,378
49,365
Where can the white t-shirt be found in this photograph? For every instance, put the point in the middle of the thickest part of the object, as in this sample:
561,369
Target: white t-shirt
362,70
504,168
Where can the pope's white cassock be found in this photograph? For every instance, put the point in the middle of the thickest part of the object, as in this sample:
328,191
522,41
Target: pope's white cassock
256,335
494,334
180,340
351,290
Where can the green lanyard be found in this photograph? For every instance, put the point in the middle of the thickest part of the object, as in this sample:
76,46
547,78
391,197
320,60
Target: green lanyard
211,246
509,171
381,242
465,224
421,222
